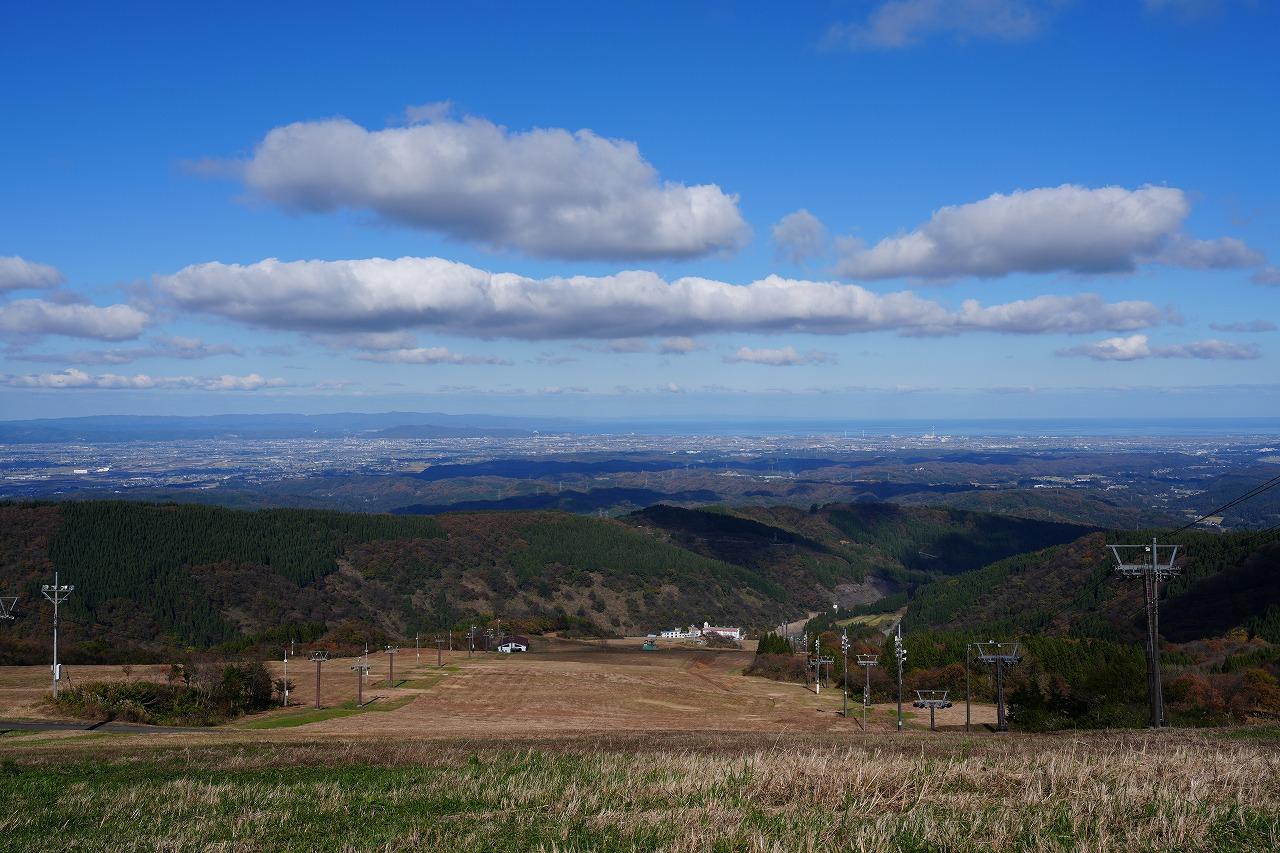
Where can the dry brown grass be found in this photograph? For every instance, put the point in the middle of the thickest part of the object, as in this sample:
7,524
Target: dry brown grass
683,792
597,748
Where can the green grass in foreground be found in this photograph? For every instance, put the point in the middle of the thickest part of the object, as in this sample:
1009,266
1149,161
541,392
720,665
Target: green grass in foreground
302,718
1101,793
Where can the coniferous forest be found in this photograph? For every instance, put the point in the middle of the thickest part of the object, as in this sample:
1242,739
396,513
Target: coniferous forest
154,578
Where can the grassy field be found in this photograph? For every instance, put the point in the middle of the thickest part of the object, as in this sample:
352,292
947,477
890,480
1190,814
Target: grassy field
676,792
293,719
600,747
879,621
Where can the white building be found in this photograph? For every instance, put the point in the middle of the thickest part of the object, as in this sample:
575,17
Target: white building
513,644
693,632
727,633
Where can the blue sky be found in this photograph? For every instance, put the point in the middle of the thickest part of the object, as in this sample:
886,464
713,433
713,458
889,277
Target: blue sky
1011,208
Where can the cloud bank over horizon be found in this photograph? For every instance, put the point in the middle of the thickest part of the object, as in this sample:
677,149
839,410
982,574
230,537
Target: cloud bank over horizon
381,295
75,378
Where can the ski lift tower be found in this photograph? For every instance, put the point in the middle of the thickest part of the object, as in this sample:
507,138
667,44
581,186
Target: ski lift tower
391,651
866,662
1000,655
1152,570
933,700
319,657
361,669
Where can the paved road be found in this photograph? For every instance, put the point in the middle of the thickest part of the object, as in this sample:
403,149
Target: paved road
120,728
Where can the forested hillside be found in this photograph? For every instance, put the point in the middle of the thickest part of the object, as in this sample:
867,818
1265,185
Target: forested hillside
1064,505
860,551
1228,580
191,575
196,576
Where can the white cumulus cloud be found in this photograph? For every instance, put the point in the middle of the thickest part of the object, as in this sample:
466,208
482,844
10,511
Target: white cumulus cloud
547,191
1135,347
453,298
782,357
251,382
37,317
20,274
1068,228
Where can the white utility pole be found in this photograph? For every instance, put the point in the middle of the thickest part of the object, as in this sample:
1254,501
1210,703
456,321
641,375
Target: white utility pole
844,650
901,654
866,662
817,666
57,594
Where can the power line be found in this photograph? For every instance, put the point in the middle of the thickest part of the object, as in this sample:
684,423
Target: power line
1252,493
1273,529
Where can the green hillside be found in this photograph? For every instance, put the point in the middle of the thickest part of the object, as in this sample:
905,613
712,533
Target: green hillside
852,553
1228,580
195,576
1072,506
